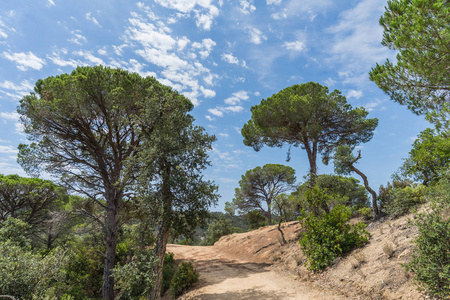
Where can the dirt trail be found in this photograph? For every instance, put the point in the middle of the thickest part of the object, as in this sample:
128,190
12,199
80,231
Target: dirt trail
225,277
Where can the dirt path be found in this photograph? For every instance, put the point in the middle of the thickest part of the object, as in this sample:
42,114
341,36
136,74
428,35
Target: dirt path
225,277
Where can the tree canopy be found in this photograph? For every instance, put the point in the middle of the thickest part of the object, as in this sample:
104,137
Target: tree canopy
262,185
429,157
309,116
419,30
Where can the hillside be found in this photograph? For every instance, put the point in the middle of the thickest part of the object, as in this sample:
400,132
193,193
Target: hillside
372,272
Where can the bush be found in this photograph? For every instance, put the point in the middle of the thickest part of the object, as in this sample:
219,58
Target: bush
218,228
27,275
168,271
183,279
403,200
135,279
431,259
328,236
365,212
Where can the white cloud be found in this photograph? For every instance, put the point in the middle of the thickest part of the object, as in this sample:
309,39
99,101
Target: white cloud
205,12
119,49
93,19
273,2
182,43
57,60
205,47
223,134
209,118
10,116
219,111
236,108
24,86
306,9
297,46
77,38
176,57
207,93
237,98
50,3
149,35
357,39
102,51
8,149
372,105
354,94
247,6
330,82
229,58
25,60
256,36
90,57
216,112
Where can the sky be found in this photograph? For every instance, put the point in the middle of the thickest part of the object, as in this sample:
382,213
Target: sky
224,55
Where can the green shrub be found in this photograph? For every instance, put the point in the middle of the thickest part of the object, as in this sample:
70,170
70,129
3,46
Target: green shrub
135,279
183,279
26,275
431,259
255,220
366,212
328,236
169,269
403,200
218,228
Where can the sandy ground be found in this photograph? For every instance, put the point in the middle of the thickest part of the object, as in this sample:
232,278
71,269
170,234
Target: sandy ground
225,277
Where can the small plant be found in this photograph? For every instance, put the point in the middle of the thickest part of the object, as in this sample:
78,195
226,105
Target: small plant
388,249
366,212
183,279
360,259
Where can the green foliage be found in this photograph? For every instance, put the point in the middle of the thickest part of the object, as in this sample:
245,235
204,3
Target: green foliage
419,31
430,156
15,231
262,185
431,258
328,236
27,275
183,279
135,279
342,190
218,228
255,219
365,212
403,200
169,269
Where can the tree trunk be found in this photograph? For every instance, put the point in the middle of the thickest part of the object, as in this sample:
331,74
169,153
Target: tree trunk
372,192
163,232
160,253
312,156
110,251
281,232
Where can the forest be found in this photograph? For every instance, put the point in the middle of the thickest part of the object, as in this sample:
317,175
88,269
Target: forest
128,158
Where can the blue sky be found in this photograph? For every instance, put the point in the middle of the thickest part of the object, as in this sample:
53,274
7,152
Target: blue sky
226,56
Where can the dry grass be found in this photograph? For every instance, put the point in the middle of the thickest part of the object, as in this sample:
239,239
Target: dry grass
359,259
388,249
